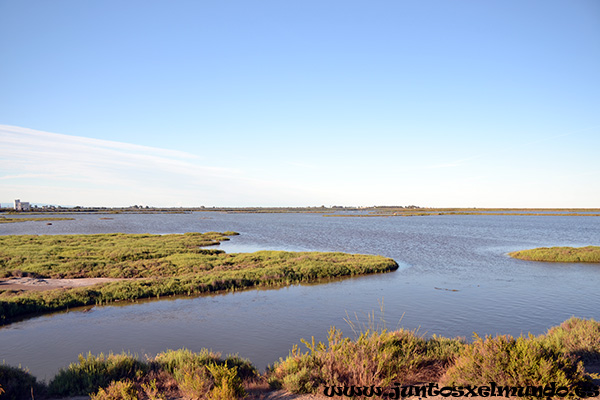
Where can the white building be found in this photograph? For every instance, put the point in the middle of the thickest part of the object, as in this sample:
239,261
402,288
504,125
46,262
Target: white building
22,205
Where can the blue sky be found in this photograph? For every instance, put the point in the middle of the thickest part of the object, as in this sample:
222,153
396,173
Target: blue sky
299,103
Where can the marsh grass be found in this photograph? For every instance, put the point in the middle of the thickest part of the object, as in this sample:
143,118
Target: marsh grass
102,255
157,265
588,254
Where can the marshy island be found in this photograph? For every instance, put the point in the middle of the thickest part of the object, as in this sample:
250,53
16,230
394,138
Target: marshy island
588,254
143,265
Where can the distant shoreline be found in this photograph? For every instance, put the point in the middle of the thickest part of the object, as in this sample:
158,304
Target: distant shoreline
333,211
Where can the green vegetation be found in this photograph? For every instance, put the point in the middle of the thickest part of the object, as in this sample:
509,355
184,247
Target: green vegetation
17,383
92,372
120,376
374,357
576,337
155,266
105,255
524,361
381,358
203,375
4,220
589,254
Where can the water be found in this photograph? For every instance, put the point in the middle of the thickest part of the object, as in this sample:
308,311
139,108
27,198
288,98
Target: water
454,279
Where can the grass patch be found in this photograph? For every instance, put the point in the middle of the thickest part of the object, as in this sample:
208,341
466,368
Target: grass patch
159,265
589,254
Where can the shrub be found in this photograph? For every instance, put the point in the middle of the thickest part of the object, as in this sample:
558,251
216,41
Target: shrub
117,390
227,383
193,381
172,360
576,337
152,391
94,372
17,383
205,375
374,358
524,361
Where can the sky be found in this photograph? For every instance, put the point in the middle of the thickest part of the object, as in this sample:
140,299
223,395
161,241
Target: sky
436,103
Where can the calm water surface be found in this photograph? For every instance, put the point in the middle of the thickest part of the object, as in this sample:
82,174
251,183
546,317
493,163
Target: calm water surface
454,279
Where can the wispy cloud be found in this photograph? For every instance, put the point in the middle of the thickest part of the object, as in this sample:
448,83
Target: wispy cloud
35,162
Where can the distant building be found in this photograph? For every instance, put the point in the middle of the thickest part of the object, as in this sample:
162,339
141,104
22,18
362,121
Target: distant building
22,205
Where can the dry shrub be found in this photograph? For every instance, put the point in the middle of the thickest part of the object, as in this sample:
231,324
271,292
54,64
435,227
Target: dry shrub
117,390
374,358
577,337
193,382
524,361
227,383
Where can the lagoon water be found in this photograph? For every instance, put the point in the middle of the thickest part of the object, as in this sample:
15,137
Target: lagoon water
455,279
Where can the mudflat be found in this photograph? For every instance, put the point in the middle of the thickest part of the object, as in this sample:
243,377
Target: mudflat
38,284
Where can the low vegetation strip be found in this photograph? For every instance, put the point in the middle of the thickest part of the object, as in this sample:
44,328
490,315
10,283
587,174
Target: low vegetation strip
157,265
374,359
385,358
430,213
174,374
589,254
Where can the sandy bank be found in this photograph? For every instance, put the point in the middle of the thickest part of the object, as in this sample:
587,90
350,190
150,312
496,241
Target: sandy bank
37,284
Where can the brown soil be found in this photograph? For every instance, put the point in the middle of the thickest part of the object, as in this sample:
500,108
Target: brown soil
267,395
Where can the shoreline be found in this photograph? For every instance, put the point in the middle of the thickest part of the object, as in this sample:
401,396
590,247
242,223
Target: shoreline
28,284
569,348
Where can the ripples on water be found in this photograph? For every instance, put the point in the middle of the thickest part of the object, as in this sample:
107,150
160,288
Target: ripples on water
454,279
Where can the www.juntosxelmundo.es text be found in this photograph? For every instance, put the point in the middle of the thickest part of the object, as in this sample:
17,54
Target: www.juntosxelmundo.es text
399,391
